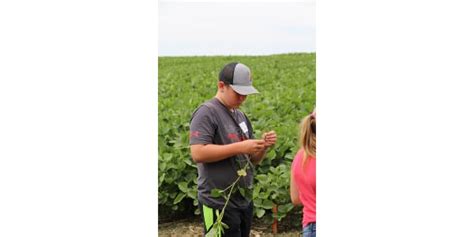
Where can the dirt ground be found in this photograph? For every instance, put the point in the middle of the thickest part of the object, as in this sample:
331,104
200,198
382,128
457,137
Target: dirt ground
193,227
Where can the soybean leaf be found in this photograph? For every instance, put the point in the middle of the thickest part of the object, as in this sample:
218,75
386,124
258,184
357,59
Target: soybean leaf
183,186
260,212
179,198
225,225
216,192
267,204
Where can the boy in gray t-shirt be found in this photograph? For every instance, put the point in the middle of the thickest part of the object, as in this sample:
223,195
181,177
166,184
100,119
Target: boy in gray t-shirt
222,142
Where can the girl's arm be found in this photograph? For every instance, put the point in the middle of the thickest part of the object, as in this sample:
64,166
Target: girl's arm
295,197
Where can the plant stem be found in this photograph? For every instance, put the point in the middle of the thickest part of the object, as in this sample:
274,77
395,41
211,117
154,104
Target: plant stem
221,215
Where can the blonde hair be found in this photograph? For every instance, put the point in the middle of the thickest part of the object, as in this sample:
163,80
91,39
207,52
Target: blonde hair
308,136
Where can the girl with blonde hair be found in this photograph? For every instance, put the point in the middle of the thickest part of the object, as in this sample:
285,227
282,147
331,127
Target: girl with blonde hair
303,175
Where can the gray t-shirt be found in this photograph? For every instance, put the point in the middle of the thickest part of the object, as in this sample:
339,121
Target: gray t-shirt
213,123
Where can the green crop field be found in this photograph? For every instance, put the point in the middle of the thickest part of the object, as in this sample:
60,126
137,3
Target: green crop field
287,85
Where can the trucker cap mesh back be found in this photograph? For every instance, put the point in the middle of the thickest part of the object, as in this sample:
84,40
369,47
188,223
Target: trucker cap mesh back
227,73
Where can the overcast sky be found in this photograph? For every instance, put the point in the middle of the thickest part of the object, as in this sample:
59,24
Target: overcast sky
239,28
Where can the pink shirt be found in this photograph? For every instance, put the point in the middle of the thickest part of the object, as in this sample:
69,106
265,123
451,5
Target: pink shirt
305,180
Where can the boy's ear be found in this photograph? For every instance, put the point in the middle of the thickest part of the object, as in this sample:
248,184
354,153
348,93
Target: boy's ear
220,84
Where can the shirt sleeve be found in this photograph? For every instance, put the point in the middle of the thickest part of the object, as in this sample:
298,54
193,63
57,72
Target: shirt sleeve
202,127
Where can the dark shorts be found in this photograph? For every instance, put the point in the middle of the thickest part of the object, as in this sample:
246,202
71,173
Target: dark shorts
238,220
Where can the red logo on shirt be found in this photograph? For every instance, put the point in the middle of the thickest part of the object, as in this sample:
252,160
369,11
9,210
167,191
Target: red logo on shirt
194,134
232,136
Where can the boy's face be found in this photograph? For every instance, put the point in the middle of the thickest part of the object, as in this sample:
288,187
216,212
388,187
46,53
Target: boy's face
231,98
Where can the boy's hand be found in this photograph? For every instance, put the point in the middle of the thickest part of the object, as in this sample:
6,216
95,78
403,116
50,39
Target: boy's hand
270,138
252,146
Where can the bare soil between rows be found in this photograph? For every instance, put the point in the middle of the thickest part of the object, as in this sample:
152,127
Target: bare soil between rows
193,227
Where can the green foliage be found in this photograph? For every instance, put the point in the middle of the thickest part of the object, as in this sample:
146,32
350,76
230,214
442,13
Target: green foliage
287,86
273,188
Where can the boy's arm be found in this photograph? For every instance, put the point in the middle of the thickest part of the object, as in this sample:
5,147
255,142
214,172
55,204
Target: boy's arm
212,152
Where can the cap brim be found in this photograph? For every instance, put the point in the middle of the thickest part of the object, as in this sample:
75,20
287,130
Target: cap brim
244,90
